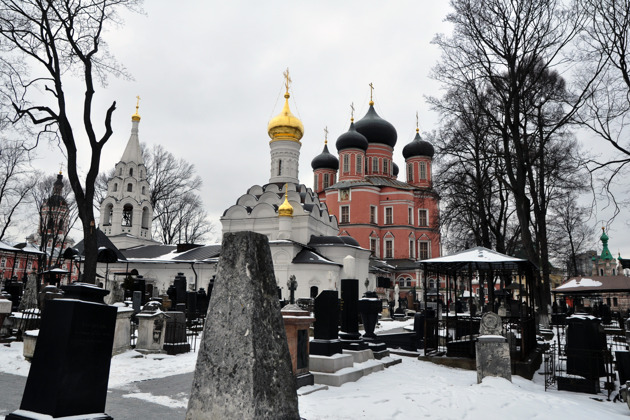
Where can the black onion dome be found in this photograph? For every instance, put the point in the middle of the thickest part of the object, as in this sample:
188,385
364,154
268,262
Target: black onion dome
376,129
352,139
418,147
395,170
325,160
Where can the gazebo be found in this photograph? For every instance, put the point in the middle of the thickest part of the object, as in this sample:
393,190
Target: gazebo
455,333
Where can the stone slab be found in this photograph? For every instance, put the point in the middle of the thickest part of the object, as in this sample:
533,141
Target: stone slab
330,364
493,359
360,356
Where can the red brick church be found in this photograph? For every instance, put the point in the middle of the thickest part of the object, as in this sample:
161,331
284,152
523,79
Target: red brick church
397,220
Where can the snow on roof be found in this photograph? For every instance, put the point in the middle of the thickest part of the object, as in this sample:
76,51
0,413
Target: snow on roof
580,282
478,254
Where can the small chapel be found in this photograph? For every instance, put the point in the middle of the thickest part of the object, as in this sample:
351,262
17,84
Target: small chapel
126,213
303,235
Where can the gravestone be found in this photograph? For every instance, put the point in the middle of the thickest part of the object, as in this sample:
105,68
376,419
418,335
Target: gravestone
369,308
180,288
296,324
5,311
122,332
326,340
70,367
244,367
492,349
349,309
151,328
175,341
29,299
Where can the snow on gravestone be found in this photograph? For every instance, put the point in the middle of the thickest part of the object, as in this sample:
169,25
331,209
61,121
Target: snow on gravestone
244,367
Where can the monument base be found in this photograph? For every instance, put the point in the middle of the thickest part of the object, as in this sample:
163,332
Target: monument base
493,357
355,345
31,415
325,347
305,379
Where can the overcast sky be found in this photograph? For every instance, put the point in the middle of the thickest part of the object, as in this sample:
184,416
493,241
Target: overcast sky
209,75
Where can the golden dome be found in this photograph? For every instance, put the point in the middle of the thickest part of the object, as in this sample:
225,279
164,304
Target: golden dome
286,209
285,126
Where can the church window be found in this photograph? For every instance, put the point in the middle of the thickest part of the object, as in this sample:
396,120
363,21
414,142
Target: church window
146,215
140,173
115,187
346,164
375,165
127,216
410,172
408,281
3,262
411,253
143,190
373,214
120,171
385,167
423,217
389,248
345,214
129,187
389,215
423,170
410,216
359,164
423,250
326,180
279,167
315,182
130,171
373,246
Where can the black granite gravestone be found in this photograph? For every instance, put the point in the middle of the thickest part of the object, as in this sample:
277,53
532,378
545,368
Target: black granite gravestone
586,343
369,308
350,315
139,285
180,288
175,341
191,305
70,367
326,341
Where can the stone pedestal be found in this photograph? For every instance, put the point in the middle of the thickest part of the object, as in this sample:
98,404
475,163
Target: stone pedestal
122,332
369,308
493,357
29,339
296,324
151,332
70,367
5,311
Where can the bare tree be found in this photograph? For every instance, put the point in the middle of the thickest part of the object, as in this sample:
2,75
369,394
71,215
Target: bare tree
503,53
46,43
16,181
182,220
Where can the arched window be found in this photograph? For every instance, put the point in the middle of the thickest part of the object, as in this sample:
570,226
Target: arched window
127,216
410,172
385,167
140,173
315,186
120,171
346,163
423,170
359,164
146,216
130,187
279,167
142,190
130,171
115,187
109,209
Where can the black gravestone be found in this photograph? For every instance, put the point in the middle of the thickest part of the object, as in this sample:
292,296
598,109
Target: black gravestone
180,288
70,367
175,340
191,305
326,341
349,309
139,285
369,308
586,344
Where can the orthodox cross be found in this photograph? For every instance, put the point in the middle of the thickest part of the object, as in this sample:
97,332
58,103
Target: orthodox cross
137,103
417,123
371,91
326,135
287,79
60,167
352,111
292,285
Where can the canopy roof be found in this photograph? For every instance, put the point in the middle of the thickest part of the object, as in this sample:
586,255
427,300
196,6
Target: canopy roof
479,258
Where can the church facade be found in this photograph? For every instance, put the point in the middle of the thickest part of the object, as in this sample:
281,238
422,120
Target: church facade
303,235
398,221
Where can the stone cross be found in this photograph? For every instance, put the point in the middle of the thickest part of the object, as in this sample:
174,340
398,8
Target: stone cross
292,285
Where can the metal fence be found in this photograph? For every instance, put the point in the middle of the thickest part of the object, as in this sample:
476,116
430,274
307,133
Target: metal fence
455,336
595,362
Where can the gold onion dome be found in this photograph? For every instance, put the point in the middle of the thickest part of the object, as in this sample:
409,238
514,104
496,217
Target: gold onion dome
285,126
286,209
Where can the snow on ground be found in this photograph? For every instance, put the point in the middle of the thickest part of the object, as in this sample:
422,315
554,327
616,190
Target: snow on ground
409,390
